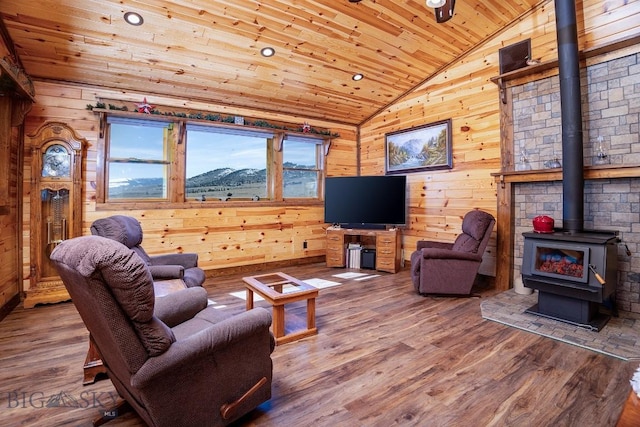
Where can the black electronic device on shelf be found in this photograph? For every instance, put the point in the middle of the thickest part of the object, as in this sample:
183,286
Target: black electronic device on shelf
365,202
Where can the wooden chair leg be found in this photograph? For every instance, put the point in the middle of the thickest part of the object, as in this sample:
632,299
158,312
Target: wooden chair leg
93,367
228,410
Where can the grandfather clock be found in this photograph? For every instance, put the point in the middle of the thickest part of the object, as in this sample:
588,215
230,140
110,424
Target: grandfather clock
56,206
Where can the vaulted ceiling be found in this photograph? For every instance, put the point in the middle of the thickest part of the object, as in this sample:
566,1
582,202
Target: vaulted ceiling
209,50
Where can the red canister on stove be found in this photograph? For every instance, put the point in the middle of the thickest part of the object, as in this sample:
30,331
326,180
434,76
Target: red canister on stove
543,224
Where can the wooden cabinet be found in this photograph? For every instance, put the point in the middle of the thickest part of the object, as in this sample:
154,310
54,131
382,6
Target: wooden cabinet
387,244
388,251
335,248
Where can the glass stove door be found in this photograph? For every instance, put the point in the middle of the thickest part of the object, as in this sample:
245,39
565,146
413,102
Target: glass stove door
566,262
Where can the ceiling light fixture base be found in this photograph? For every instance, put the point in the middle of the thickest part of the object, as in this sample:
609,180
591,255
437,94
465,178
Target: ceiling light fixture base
435,3
267,52
133,18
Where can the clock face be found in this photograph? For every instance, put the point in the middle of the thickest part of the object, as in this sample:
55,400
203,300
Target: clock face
56,161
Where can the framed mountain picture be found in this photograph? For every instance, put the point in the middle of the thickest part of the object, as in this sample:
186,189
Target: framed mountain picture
420,148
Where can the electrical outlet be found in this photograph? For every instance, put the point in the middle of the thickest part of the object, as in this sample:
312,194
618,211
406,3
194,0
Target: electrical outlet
304,245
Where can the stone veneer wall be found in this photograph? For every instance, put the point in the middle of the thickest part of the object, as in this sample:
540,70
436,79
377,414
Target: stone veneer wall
611,109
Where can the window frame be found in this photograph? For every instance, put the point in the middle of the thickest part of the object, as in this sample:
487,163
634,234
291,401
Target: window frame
268,147
176,181
166,161
319,169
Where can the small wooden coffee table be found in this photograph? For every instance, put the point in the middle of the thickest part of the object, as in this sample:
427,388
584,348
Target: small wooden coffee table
270,287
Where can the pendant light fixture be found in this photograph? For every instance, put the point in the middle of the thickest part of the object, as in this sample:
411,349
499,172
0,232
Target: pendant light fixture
444,10
435,3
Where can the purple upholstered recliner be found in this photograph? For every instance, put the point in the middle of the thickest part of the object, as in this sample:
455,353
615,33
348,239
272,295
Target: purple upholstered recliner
195,366
128,231
451,268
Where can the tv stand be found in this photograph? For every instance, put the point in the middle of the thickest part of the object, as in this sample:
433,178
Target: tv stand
387,244
363,226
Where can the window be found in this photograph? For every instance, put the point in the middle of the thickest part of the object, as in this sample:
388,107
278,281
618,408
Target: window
226,164
301,167
177,160
137,159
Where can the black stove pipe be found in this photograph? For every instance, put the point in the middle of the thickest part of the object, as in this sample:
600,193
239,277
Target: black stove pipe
571,108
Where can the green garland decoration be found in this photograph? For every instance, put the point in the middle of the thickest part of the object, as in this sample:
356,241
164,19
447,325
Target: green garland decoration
215,118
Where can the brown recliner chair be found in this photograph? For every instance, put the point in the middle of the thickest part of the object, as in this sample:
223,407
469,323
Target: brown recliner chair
451,268
128,231
195,367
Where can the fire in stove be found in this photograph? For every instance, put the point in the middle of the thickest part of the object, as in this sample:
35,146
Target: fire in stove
560,262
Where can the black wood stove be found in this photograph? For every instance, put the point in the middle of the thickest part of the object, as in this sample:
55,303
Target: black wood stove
574,270
573,273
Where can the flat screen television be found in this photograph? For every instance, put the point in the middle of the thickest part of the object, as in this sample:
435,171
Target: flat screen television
373,202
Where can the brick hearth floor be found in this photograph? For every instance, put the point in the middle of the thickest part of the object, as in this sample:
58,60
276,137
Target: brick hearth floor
620,337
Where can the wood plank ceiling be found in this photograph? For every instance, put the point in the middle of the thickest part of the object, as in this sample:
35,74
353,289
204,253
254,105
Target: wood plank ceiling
210,50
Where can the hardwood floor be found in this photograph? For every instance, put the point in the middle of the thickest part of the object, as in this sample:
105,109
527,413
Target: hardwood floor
383,356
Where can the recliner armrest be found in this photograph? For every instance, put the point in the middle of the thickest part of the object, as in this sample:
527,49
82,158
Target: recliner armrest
178,307
422,244
449,254
159,272
186,260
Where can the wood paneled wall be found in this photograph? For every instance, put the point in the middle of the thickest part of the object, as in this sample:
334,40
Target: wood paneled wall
222,236
9,208
463,92
437,199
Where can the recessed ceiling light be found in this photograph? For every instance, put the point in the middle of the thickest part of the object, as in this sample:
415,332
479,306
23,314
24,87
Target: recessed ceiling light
357,77
133,18
267,51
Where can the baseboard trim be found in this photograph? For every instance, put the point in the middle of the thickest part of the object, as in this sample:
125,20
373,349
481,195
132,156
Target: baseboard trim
263,266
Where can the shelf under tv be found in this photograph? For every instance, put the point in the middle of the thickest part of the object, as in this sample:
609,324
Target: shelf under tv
387,246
